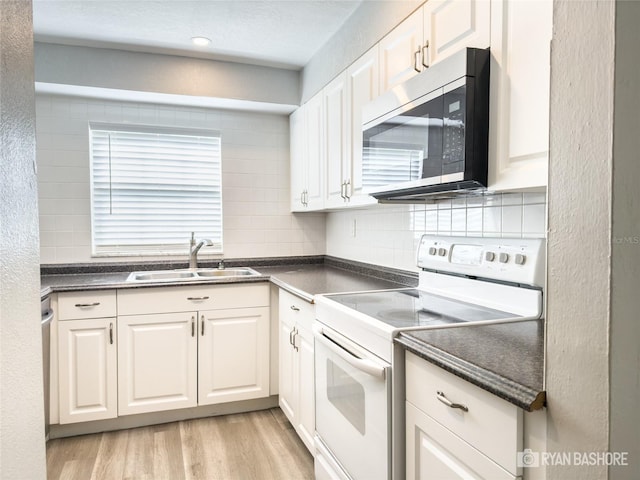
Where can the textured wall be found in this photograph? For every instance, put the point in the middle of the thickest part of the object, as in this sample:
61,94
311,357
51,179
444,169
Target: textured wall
625,302
22,452
255,178
579,244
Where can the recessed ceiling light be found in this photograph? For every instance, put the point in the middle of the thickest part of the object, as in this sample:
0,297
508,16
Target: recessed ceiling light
200,41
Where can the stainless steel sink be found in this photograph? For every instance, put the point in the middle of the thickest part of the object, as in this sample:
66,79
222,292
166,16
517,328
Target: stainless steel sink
188,275
227,272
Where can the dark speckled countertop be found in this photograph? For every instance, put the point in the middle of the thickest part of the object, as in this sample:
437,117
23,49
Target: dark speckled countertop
505,359
302,279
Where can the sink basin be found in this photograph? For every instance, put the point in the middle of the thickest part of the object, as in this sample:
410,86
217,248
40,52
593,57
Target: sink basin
227,272
187,275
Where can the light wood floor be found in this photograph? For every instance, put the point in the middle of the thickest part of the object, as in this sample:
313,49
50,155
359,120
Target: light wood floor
257,445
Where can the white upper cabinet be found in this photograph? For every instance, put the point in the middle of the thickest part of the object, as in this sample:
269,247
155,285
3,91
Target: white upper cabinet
451,25
519,108
337,132
399,52
306,129
362,87
430,34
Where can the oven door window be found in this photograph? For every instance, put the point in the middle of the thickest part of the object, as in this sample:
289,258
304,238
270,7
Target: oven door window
347,395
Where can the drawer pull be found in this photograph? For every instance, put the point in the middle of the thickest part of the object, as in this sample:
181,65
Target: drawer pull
441,396
198,298
294,308
85,305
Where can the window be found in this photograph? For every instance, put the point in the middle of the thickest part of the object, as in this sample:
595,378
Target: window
151,187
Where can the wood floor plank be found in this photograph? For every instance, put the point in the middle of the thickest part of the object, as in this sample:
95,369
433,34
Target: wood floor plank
81,451
248,446
111,456
138,464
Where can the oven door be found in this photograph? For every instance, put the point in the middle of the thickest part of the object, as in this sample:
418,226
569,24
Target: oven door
353,405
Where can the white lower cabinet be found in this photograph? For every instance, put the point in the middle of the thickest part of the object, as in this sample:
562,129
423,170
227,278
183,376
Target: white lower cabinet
87,373
152,349
157,362
457,430
217,352
297,390
233,355
87,356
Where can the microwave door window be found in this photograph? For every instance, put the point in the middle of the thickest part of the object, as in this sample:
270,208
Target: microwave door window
405,148
454,131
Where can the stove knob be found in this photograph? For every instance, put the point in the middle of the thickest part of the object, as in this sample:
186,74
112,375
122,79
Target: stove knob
442,252
503,258
432,250
489,256
520,259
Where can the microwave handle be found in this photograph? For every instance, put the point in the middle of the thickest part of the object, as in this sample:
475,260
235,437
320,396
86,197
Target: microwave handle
334,344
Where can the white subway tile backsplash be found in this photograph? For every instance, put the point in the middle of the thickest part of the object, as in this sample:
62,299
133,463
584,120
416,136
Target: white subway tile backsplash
385,241
255,170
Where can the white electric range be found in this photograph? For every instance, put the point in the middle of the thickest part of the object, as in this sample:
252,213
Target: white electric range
360,376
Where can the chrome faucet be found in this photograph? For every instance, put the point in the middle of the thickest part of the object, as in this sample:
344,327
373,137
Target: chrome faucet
194,248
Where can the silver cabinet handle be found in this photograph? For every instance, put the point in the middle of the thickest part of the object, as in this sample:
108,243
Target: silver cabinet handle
306,198
193,326
425,55
295,334
294,308
85,305
291,336
111,333
416,61
343,191
198,298
347,195
202,328
442,397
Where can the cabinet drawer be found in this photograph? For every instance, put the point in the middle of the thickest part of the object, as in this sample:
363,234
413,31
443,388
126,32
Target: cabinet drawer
491,424
301,311
192,298
92,304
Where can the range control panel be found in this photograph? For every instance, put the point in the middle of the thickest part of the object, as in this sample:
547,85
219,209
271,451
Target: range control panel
516,260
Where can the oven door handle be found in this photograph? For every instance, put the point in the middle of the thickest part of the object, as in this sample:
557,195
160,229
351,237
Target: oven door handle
335,343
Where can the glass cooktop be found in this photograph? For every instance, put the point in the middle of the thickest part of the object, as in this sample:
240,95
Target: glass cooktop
416,308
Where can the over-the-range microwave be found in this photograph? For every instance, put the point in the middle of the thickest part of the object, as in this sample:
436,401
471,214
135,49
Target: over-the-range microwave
430,135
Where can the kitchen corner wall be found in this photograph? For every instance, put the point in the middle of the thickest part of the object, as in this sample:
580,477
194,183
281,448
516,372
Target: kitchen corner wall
389,234
255,177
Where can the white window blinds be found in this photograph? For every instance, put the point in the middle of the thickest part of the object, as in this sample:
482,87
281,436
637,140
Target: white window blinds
151,187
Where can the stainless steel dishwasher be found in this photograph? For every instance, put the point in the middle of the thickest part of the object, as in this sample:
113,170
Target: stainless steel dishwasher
46,315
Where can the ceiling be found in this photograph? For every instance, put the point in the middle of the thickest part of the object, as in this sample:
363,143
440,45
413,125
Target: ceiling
278,33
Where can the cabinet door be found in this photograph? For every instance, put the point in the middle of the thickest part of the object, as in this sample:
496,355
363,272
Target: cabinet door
233,355
298,158
87,370
451,25
398,52
315,172
157,362
519,103
362,87
336,144
432,451
287,374
306,420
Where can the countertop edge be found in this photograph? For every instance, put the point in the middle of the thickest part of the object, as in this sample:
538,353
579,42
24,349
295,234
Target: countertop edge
513,392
